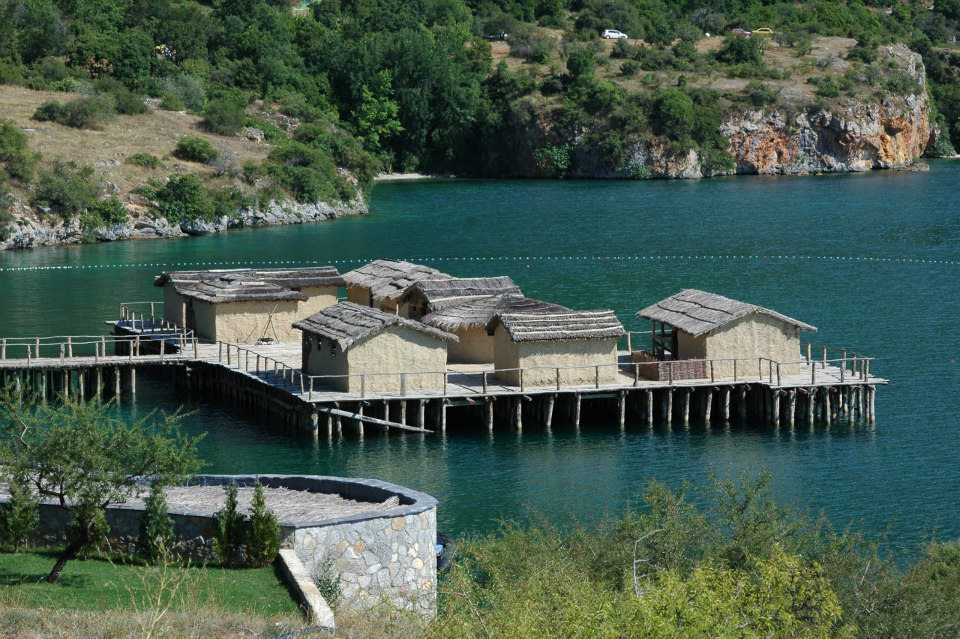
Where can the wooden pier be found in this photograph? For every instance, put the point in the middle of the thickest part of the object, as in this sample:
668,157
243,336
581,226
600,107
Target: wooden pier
267,379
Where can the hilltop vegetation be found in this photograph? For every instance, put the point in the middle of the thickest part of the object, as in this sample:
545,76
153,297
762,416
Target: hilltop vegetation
409,86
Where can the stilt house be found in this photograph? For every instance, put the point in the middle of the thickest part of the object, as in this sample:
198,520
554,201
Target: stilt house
359,349
575,347
426,296
318,286
380,284
699,325
468,320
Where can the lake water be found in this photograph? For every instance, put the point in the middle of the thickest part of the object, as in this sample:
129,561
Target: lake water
871,260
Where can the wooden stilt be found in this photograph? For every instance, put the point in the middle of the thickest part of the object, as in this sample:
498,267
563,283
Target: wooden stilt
742,405
403,412
576,411
811,404
775,403
622,408
548,420
792,407
873,405
518,413
860,390
708,407
443,415
687,392
726,405
314,421
488,409
360,421
116,381
669,405
337,420
650,408
827,415
133,380
421,410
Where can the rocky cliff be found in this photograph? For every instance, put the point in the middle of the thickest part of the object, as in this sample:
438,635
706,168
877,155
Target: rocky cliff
27,231
851,134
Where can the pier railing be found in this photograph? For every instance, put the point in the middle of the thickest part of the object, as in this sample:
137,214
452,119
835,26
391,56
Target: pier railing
587,376
61,348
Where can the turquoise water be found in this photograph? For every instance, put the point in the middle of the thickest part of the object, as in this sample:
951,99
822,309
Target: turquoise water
795,244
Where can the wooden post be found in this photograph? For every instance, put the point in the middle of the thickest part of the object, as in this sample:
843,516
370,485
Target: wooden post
622,407
629,343
133,380
443,415
826,405
314,422
686,406
337,420
421,411
403,412
726,404
70,347
742,405
668,406
3,348
576,411
518,412
775,404
488,410
99,383
558,379
484,382
808,354
116,381
708,408
403,384
521,380
824,358
811,404
860,399
43,385
360,421
548,420
596,378
650,408
873,405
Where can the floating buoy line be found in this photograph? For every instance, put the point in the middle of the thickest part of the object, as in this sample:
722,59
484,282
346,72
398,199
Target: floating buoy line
227,264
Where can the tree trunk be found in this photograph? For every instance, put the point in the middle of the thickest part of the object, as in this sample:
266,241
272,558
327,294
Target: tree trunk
68,553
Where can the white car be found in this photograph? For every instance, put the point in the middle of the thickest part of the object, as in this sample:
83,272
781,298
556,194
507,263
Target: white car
613,34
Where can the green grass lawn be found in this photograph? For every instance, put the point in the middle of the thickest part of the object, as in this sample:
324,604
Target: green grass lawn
98,584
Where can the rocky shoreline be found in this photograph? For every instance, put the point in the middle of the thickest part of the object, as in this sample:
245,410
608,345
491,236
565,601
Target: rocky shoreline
26,232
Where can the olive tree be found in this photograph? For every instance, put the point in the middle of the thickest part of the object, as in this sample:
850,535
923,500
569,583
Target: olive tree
81,455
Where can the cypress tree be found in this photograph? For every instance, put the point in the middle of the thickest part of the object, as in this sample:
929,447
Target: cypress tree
20,517
263,534
156,529
228,536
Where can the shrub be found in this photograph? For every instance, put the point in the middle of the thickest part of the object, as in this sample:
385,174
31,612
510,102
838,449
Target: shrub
826,87
89,113
228,535
228,200
20,516
144,160
308,173
629,68
6,217
50,111
184,91
67,189
156,530
328,581
580,62
184,197
102,213
263,532
621,49
738,50
128,102
760,94
195,149
224,116
16,160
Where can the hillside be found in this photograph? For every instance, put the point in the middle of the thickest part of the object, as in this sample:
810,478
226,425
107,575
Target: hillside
512,88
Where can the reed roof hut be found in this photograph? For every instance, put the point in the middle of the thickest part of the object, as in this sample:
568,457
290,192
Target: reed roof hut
468,319
381,282
572,348
273,299
362,349
696,324
426,296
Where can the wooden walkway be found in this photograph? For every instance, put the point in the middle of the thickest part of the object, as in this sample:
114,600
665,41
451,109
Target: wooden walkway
272,372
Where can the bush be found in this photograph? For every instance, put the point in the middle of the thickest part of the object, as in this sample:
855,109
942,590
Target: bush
144,160
195,149
739,50
6,217
760,94
826,87
101,213
184,197
182,92
224,116
67,189
50,111
263,532
20,516
89,113
328,581
16,160
580,62
308,173
156,530
228,535
629,68
128,102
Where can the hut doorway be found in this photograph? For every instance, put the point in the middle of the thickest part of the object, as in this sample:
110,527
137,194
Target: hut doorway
664,341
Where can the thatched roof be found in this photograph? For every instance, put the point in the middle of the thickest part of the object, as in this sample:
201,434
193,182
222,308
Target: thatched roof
236,287
292,278
476,312
388,279
346,323
560,326
441,293
699,312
